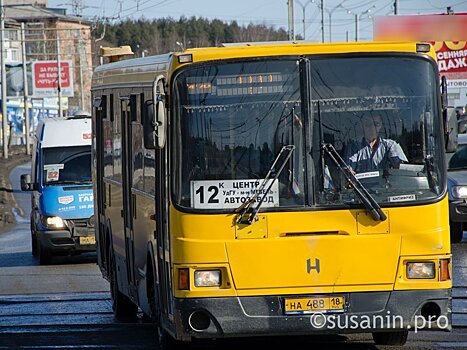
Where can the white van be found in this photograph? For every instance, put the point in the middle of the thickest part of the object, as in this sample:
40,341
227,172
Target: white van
62,203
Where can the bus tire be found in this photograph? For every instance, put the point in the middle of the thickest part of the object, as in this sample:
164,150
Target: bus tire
122,306
390,338
106,257
152,298
456,231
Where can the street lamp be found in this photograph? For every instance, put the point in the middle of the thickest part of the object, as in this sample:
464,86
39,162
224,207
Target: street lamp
330,12
358,17
303,14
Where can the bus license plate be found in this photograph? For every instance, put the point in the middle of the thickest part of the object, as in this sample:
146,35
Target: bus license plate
310,305
85,240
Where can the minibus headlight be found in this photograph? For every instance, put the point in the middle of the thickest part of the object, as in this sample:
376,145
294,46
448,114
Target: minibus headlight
421,270
53,222
91,221
459,192
207,278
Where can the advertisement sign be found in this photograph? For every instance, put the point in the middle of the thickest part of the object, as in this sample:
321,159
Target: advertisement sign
448,35
442,27
45,82
452,59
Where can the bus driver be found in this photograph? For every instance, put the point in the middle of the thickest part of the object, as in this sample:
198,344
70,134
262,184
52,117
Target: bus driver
373,152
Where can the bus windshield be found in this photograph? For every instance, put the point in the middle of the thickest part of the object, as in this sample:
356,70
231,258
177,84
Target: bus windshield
232,119
64,165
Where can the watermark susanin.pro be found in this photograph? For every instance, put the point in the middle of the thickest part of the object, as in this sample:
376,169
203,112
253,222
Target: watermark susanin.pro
389,321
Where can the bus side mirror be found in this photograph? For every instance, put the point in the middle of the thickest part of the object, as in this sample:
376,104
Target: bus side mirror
451,125
449,119
161,124
26,184
159,113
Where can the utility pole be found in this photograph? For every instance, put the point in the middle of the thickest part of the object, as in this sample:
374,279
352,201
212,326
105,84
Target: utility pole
322,21
2,57
303,16
80,53
291,20
356,27
59,80
396,7
25,88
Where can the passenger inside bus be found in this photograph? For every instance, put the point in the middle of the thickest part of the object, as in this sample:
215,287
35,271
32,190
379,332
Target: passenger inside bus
373,152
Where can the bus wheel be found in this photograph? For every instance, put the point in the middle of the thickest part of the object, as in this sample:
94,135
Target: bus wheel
167,342
390,338
152,297
122,306
456,231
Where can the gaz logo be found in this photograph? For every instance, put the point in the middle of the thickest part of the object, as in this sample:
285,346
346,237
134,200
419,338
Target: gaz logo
310,267
66,199
83,198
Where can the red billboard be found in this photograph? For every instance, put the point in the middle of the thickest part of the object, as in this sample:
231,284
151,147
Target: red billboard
452,58
45,82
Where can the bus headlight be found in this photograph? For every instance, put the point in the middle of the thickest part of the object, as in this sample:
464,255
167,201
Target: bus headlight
421,270
459,192
53,222
207,278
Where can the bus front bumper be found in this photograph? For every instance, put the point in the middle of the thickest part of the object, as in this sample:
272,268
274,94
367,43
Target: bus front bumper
364,312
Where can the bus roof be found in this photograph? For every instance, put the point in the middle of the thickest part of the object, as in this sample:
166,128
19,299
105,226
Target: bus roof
138,71
64,132
298,48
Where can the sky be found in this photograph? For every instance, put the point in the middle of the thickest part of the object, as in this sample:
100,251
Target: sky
340,13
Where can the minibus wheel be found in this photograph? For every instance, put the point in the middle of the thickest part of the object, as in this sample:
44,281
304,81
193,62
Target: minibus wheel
33,242
45,255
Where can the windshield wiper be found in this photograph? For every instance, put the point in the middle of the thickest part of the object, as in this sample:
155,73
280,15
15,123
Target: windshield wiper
243,209
373,207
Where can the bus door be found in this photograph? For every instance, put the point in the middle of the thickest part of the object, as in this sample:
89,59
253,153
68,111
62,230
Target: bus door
162,194
128,198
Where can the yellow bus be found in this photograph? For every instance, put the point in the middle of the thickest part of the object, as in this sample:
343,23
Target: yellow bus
228,204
